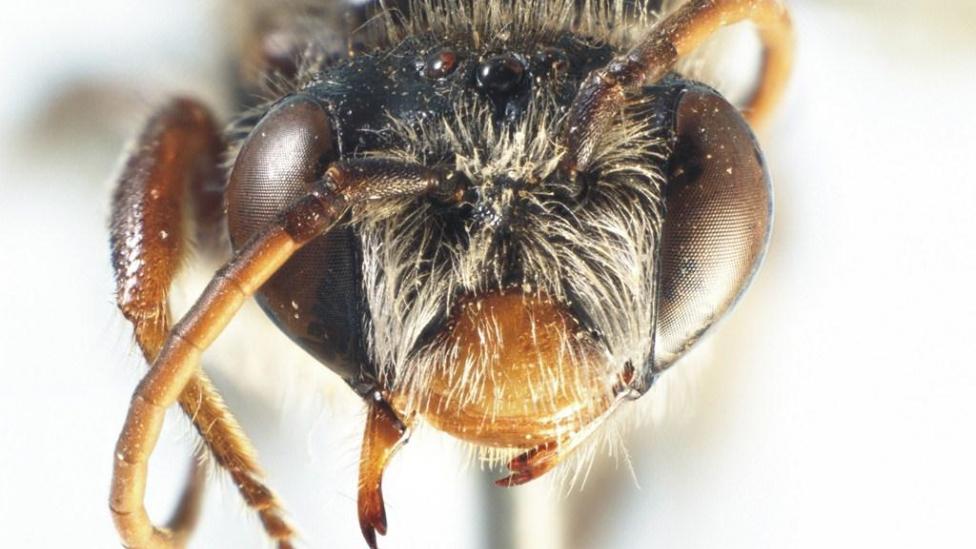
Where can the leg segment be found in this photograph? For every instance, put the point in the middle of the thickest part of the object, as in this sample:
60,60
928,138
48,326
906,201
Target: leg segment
675,36
175,165
345,185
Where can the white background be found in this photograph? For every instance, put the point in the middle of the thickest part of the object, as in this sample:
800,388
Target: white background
836,408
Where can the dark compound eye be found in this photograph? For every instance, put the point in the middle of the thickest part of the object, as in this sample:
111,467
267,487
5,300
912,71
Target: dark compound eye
500,74
440,63
554,61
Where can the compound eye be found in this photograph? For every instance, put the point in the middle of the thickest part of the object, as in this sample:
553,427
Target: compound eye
440,64
553,61
500,74
288,150
719,212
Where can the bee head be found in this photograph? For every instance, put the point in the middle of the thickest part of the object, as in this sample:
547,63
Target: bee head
511,258
517,291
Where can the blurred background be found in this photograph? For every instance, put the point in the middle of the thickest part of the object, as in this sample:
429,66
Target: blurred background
834,408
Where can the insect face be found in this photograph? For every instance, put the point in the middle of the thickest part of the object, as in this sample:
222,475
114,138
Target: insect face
505,223
510,297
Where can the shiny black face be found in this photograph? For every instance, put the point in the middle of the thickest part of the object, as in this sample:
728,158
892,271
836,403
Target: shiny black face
423,79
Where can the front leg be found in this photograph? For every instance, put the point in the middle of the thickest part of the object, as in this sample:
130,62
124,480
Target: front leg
346,185
173,174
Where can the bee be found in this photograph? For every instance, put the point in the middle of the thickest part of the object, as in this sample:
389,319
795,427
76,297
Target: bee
503,218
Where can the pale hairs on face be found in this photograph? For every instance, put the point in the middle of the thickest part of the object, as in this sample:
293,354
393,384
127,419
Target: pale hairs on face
600,256
607,270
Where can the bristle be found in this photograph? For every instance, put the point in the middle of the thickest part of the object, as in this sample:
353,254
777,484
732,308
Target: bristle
492,24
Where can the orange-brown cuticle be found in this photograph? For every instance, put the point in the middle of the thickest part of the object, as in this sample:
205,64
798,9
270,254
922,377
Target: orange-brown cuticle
542,377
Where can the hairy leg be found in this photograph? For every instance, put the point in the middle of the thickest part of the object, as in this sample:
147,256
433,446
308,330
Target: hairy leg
677,35
345,185
173,168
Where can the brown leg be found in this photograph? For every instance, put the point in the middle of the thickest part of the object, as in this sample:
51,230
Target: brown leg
677,35
384,435
174,165
345,185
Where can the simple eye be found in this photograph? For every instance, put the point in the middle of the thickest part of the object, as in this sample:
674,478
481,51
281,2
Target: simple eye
553,61
440,63
500,74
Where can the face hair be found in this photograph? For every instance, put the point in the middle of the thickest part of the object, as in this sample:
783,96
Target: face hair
598,257
489,25
496,24
474,24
